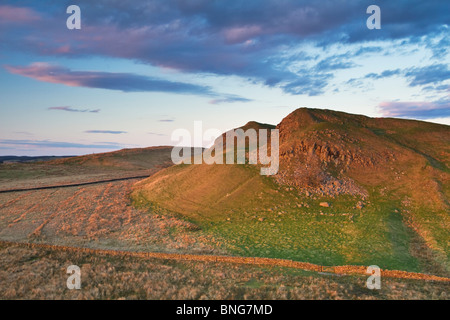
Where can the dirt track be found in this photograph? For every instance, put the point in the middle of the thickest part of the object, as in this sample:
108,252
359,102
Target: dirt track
342,270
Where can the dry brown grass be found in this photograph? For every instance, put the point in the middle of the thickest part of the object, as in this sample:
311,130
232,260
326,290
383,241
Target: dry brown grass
98,216
36,273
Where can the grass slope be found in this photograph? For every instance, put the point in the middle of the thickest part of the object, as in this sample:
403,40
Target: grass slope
402,164
85,168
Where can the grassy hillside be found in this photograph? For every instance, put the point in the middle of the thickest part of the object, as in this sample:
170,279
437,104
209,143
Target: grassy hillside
126,159
385,181
85,168
14,159
252,216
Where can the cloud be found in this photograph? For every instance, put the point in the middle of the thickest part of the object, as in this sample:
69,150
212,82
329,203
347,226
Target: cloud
56,144
334,63
126,82
417,110
70,109
17,15
157,134
166,120
428,75
384,74
105,132
431,76
368,49
439,47
229,99
310,83
234,37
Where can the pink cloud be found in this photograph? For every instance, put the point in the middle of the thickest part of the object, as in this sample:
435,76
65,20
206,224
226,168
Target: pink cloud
242,34
418,110
63,49
46,72
126,82
12,14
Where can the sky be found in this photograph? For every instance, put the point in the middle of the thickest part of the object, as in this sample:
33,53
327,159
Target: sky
137,71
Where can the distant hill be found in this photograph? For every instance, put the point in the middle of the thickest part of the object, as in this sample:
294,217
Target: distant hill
88,168
12,159
351,189
125,159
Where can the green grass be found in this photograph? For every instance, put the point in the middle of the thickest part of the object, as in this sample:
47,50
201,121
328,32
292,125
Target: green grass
337,235
376,235
434,223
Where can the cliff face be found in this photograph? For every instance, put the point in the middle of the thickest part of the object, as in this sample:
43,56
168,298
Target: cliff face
325,152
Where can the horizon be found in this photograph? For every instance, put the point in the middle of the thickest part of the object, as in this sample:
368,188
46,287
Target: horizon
134,73
190,146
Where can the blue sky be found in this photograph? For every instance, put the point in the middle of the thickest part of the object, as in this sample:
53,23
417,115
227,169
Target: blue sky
135,72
